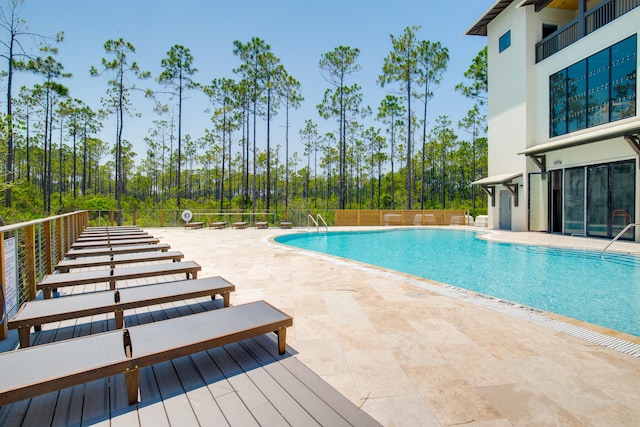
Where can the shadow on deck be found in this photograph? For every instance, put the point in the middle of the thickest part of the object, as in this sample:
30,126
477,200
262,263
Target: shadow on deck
245,383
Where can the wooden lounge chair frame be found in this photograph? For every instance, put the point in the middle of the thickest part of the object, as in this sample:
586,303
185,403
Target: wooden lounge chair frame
55,281
262,224
123,242
27,373
240,224
117,250
218,225
38,312
112,260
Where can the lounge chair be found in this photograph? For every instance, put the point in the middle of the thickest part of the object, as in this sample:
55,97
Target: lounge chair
112,260
262,224
218,225
188,225
112,233
112,228
38,312
110,237
129,241
54,281
240,224
286,224
42,369
116,250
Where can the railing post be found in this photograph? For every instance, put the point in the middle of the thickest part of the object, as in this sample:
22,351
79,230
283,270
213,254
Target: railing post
30,260
3,326
59,243
161,218
67,234
47,247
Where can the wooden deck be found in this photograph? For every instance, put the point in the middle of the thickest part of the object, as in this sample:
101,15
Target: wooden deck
243,384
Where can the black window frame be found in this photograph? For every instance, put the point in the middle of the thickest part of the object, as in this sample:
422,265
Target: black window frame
562,105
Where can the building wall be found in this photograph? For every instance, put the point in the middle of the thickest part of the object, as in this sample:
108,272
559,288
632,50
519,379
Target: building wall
519,99
509,116
623,27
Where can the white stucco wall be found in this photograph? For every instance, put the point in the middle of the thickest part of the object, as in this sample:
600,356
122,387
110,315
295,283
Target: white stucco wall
509,115
518,110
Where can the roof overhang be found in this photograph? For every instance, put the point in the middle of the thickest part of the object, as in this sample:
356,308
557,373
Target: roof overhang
628,129
497,179
480,26
489,183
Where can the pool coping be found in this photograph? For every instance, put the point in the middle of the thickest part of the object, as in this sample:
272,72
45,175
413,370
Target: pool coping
616,340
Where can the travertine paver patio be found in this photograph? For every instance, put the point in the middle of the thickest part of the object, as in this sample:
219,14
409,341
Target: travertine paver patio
412,357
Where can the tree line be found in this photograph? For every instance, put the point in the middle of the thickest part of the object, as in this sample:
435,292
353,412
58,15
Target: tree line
52,151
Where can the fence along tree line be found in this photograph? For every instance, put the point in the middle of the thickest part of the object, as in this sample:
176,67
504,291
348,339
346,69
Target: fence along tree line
351,167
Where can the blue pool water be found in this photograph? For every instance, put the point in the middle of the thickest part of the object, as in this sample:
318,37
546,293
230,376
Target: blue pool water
573,283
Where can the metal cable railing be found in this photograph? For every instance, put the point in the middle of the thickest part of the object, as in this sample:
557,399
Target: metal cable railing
30,250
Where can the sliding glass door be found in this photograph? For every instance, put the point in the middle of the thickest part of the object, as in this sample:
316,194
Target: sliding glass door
610,198
598,200
622,187
574,201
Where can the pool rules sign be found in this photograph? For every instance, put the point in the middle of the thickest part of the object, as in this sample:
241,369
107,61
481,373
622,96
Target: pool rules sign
10,299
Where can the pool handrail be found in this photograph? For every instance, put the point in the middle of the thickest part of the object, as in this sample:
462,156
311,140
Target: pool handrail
624,230
316,222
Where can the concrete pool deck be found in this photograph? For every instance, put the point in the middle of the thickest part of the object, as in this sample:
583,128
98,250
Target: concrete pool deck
410,356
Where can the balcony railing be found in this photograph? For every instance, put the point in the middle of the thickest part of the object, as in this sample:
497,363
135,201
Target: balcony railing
594,19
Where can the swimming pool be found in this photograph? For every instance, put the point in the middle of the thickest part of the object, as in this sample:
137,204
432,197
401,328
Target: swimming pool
573,283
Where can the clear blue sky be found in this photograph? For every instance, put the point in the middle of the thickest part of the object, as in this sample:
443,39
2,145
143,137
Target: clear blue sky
298,32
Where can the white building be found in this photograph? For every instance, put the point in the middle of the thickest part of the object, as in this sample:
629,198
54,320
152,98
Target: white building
564,126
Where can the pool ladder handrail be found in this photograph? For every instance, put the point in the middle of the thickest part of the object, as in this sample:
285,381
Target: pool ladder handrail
624,230
316,221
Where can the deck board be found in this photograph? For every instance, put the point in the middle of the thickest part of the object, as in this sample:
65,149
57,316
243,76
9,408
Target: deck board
246,383
276,394
301,396
196,392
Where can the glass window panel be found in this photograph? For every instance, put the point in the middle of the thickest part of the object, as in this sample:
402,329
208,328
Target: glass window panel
505,41
623,190
539,201
558,103
577,96
598,84
574,201
597,199
623,79
596,90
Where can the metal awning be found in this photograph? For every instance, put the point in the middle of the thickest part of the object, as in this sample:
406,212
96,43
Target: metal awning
489,183
497,179
629,131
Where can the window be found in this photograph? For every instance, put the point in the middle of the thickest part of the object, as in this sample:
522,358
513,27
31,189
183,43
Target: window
548,29
597,90
505,41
